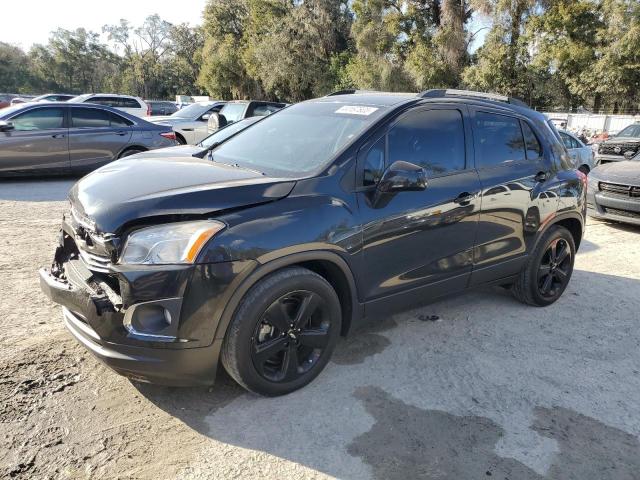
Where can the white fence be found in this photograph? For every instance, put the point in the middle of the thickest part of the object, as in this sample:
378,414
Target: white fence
592,121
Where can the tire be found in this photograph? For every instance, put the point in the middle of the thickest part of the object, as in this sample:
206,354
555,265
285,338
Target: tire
180,139
129,152
544,279
263,352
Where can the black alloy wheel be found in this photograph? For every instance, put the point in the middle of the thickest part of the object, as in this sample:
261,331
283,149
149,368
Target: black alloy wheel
283,332
555,269
548,269
290,338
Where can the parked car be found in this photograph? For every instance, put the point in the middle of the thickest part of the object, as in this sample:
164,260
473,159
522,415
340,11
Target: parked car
239,109
5,99
302,226
54,97
206,146
623,146
22,99
161,107
581,154
190,122
614,191
63,138
125,103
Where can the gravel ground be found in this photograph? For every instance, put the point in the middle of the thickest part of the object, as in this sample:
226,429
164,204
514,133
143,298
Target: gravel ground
491,388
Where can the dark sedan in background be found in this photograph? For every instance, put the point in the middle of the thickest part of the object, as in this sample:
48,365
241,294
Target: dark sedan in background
40,138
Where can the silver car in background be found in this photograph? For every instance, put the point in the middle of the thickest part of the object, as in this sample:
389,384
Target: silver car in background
582,155
190,122
64,138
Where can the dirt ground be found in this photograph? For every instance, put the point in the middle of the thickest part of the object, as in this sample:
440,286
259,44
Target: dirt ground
490,389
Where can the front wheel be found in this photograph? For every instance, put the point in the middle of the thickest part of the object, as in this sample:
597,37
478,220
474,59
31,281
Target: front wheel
283,332
548,270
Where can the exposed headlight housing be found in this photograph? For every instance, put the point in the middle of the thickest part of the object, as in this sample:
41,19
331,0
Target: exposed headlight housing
171,243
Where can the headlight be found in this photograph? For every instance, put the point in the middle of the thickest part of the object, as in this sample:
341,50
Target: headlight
170,243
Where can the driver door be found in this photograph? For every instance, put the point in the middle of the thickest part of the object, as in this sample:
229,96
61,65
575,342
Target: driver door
418,245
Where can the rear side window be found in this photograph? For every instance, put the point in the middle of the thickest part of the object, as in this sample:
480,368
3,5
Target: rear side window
89,118
96,118
534,150
432,139
498,140
124,102
263,110
39,119
108,101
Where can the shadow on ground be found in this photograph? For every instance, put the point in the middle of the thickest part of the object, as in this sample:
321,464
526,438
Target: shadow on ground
379,410
36,189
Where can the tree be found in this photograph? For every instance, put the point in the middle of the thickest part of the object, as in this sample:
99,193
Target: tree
15,72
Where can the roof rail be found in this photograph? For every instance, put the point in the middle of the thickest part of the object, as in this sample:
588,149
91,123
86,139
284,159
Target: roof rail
349,91
439,93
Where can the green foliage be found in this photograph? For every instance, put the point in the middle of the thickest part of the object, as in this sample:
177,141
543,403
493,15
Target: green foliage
551,53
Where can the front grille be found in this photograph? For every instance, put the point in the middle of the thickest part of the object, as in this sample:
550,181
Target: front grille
622,213
96,263
620,190
610,148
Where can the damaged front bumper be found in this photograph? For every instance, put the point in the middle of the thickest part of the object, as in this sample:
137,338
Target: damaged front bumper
149,323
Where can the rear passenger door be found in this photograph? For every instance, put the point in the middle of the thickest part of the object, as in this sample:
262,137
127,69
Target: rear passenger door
513,173
418,244
96,137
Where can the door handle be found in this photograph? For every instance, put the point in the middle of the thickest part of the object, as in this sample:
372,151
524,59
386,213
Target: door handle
122,134
59,135
187,129
463,199
541,177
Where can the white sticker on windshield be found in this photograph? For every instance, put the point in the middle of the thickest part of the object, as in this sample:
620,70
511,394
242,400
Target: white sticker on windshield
356,110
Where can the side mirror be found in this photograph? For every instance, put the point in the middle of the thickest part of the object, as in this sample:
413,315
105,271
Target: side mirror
402,176
206,117
6,126
216,121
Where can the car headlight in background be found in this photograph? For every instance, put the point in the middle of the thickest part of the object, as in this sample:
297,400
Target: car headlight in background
178,242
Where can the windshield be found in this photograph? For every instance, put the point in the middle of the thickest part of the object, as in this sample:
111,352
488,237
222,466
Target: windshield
297,140
192,111
632,131
228,131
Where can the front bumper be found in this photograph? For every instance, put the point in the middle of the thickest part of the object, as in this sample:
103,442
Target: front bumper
151,323
168,366
615,208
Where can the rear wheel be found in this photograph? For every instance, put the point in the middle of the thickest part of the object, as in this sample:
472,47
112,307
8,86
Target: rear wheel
283,333
548,270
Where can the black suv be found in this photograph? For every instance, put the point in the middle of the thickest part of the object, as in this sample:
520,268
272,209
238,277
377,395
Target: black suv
298,228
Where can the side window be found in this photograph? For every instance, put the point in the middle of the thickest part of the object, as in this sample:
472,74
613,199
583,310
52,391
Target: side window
90,118
374,163
39,119
110,102
433,139
566,140
264,110
233,111
498,140
128,103
534,150
118,121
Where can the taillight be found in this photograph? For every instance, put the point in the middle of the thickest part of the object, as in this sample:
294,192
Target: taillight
148,110
583,177
169,135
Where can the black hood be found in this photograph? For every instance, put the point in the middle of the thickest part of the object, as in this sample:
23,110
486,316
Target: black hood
625,172
173,152
136,188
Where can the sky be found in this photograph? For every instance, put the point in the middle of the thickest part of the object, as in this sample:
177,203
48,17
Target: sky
25,22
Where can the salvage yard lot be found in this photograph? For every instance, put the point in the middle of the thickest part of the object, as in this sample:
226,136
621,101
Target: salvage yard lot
492,387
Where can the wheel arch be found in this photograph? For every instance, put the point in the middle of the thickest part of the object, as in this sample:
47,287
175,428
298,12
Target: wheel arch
131,147
328,265
180,136
572,222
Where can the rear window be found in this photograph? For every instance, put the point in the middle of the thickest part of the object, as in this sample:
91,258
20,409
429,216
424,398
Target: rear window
498,140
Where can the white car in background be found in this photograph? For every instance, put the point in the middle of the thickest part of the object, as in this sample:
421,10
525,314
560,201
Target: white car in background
127,103
190,123
582,155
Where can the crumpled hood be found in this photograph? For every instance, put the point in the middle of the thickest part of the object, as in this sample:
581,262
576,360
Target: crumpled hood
134,188
627,171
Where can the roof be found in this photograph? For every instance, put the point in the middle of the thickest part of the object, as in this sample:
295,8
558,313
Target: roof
378,99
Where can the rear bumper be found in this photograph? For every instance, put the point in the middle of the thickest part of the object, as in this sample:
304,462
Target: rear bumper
167,366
